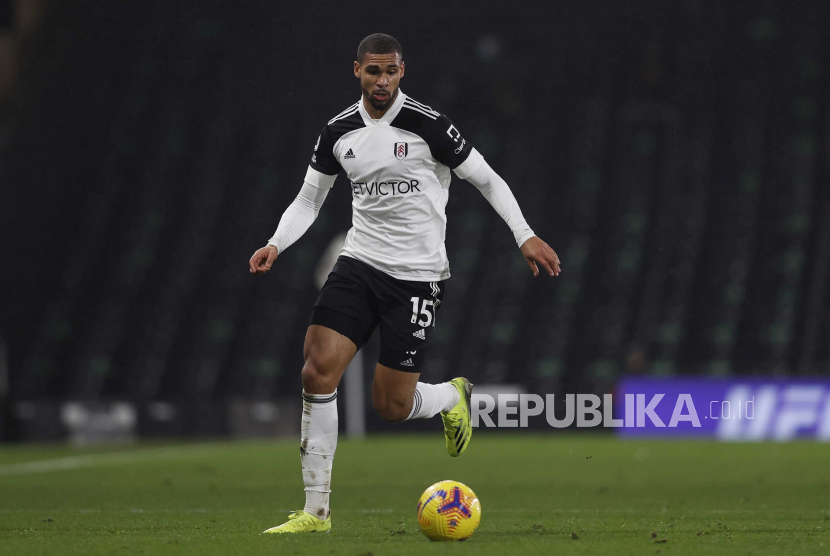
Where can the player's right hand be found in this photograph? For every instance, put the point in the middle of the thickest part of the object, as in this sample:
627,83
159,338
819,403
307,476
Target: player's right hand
262,260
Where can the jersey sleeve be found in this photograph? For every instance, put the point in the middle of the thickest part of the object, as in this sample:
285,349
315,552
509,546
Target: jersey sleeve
323,159
447,144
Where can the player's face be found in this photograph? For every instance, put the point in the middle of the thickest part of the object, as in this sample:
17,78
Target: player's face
380,75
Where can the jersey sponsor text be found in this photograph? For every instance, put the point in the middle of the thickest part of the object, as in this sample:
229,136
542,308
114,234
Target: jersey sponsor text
390,187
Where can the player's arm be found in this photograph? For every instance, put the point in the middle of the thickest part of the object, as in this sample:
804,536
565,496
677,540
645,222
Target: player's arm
297,218
450,148
498,194
302,213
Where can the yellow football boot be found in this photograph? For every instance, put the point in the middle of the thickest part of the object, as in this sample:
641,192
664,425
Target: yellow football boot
302,522
457,426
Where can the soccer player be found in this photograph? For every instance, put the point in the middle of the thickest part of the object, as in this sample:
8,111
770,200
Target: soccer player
397,153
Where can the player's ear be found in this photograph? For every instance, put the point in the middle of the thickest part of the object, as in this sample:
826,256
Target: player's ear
357,69
403,68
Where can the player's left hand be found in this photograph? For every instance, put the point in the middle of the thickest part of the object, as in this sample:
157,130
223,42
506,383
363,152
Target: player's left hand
537,251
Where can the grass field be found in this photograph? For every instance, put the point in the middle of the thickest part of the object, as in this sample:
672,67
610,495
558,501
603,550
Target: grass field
540,494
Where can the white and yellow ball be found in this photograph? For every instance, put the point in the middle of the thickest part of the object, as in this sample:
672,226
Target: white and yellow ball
449,511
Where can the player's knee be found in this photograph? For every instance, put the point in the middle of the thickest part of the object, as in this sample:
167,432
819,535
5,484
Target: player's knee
310,376
391,411
316,377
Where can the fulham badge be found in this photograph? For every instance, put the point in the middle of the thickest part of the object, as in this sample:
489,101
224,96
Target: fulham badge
401,150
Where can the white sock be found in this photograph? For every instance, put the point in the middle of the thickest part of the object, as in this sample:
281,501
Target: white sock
319,441
431,399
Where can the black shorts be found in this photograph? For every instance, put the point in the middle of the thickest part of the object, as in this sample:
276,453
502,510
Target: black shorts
357,297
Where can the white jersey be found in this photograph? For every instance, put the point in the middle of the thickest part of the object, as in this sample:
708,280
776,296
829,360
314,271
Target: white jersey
399,169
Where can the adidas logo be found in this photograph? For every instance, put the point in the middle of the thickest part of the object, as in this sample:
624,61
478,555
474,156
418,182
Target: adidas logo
408,363
420,334
349,154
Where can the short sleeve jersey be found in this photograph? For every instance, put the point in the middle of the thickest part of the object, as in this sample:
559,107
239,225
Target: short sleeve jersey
399,172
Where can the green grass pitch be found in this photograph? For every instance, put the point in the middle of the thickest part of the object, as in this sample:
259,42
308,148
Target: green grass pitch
540,494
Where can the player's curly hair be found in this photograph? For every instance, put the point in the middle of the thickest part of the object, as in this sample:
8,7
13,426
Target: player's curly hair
378,43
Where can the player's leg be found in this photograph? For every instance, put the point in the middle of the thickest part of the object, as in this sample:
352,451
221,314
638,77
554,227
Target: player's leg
398,396
327,353
393,393
342,320
407,324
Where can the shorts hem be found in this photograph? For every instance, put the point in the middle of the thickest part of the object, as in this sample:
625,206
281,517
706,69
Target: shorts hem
399,367
339,322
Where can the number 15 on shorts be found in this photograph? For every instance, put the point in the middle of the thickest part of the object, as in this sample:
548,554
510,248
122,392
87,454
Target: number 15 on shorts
424,312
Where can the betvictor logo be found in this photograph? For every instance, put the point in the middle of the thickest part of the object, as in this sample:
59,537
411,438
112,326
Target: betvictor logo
388,187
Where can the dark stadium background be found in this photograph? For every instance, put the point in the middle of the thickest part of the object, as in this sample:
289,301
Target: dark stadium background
674,154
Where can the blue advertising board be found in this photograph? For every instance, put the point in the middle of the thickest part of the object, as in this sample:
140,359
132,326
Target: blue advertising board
752,409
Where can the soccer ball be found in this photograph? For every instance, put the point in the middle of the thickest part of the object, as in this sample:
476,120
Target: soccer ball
449,511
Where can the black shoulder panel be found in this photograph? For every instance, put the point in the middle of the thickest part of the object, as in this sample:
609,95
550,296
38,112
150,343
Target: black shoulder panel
340,127
445,141
323,159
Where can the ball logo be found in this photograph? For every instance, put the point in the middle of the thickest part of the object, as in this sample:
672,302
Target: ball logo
401,150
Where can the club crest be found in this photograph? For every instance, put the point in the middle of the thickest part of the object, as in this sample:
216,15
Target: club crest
401,150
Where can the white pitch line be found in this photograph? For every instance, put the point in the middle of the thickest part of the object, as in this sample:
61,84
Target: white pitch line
95,460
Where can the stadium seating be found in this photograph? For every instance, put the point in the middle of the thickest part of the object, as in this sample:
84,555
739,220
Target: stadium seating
679,189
